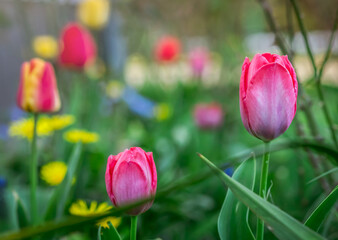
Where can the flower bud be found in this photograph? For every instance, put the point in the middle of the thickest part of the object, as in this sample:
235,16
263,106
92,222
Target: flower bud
268,95
167,49
38,88
198,60
77,47
208,116
131,176
93,13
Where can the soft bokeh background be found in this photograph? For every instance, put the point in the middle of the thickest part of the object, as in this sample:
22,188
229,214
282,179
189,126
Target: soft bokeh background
129,99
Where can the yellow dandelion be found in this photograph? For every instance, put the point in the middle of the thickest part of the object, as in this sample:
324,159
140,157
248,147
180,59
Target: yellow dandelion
53,173
24,128
78,135
115,221
58,122
80,208
162,111
45,46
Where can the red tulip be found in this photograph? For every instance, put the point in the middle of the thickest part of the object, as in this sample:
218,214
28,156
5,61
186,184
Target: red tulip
131,176
208,116
198,59
78,48
267,95
167,49
38,90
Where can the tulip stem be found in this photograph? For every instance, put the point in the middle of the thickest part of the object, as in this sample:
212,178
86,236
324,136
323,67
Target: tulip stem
263,188
33,172
133,227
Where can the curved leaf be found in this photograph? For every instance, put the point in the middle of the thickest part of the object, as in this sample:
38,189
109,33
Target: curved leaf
281,224
234,213
319,214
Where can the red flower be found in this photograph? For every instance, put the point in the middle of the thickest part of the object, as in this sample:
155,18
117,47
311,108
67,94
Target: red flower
208,116
267,95
78,48
38,90
167,49
131,176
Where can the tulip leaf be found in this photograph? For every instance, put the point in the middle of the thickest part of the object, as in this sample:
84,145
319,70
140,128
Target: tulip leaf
20,211
317,217
58,200
234,213
284,226
109,233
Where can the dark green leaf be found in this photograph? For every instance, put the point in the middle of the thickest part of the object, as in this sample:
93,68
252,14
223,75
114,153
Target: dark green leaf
110,233
21,212
281,224
319,214
233,216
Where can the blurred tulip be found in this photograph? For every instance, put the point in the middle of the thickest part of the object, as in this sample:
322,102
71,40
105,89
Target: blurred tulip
268,95
77,46
208,116
167,49
198,59
38,90
131,176
93,13
45,46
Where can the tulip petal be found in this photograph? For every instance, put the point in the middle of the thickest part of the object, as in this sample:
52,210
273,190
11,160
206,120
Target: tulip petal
270,101
153,171
112,160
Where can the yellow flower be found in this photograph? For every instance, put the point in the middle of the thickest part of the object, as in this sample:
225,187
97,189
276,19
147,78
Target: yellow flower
93,13
53,173
104,222
24,128
45,46
78,135
114,89
80,208
162,111
58,122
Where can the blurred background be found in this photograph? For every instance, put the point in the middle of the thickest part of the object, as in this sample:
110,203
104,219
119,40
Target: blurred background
165,78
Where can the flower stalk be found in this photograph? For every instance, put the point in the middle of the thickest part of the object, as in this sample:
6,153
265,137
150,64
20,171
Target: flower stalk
33,172
133,227
263,188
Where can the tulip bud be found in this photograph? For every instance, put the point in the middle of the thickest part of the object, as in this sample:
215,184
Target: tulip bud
131,176
198,59
38,88
93,13
208,116
167,49
77,47
268,95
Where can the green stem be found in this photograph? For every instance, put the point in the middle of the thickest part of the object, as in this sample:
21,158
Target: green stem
133,227
263,188
33,172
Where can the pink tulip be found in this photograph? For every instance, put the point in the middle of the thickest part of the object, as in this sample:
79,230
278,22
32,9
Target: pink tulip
268,95
78,48
131,176
38,90
198,59
167,49
208,116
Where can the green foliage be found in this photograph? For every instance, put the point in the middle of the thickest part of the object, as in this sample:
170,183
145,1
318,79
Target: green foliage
283,225
233,212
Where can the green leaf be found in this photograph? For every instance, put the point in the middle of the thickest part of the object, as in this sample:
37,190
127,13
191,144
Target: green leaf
281,224
58,200
319,214
110,233
20,211
233,216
